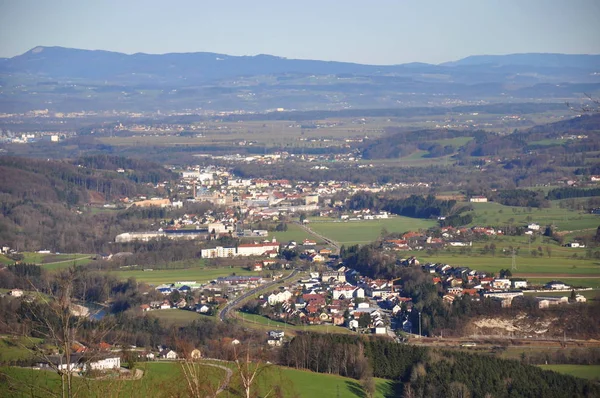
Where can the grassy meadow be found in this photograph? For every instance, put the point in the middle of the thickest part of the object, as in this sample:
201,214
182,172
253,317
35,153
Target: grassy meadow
362,232
165,379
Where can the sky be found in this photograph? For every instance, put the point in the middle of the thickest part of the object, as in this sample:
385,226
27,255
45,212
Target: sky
371,32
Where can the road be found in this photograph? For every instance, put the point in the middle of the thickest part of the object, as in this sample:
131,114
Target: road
325,239
224,312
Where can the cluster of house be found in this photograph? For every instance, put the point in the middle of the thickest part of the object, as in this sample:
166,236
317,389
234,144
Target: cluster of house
449,236
459,281
329,298
84,359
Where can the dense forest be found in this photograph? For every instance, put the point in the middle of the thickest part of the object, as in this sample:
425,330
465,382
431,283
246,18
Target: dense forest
414,206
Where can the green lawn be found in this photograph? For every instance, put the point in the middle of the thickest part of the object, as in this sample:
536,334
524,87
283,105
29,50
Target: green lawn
198,274
591,372
361,232
177,317
5,260
165,379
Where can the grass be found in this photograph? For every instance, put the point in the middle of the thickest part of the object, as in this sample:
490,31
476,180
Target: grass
261,322
491,213
294,233
176,317
571,281
14,348
162,379
590,372
361,232
525,265
198,274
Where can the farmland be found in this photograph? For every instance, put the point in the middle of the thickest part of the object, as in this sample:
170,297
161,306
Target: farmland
294,233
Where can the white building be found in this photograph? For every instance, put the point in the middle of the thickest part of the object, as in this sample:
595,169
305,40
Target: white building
533,227
556,285
218,252
279,297
478,199
519,284
257,249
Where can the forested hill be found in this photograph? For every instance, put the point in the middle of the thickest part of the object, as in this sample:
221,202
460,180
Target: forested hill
554,139
43,202
70,183
397,143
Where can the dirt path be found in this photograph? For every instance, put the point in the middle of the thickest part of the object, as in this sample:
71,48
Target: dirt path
228,374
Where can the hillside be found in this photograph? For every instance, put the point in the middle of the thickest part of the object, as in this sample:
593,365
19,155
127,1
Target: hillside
44,202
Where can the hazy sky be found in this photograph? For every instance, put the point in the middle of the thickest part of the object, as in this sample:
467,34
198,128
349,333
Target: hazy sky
375,32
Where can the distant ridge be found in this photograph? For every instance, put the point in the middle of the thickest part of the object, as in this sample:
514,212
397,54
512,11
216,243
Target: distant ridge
68,79
532,59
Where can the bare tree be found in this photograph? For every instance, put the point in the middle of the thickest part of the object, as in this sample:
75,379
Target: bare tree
57,319
249,369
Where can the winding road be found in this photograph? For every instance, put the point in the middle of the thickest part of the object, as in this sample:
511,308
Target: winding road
224,312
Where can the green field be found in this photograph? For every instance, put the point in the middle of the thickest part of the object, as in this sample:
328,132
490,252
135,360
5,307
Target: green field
565,220
294,233
525,265
571,281
198,274
14,348
166,380
259,321
591,372
361,232
177,317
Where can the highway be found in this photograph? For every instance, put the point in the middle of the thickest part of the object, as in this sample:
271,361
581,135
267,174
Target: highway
231,305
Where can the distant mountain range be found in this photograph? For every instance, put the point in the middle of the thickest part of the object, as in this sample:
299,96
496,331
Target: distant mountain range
101,79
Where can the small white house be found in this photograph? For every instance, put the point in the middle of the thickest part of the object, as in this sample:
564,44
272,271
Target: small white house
556,285
15,293
168,354
519,284
380,330
533,227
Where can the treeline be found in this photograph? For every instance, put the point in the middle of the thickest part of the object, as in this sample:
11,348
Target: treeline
566,193
426,372
414,206
522,197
